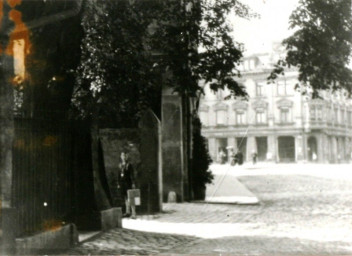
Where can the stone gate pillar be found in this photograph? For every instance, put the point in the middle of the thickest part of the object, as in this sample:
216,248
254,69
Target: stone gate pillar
172,146
150,179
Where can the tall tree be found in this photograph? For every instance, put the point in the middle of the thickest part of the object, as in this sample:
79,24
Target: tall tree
131,46
197,45
321,45
116,78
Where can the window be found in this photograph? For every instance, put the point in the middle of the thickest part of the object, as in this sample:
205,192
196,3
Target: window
343,117
336,114
349,118
281,88
316,113
319,113
259,90
260,116
329,115
240,117
221,117
284,115
312,112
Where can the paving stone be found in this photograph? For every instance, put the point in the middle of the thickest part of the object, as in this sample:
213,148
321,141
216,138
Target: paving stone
298,214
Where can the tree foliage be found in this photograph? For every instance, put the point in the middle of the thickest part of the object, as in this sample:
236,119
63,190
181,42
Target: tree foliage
116,78
201,175
197,45
321,45
130,48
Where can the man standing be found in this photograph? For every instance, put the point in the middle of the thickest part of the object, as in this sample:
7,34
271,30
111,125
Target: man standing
125,181
254,157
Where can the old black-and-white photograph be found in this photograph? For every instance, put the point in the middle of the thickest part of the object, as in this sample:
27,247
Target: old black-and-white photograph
176,127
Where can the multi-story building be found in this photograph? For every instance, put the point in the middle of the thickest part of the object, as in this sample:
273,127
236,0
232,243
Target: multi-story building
277,121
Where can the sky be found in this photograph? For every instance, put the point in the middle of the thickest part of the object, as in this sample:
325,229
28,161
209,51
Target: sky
258,34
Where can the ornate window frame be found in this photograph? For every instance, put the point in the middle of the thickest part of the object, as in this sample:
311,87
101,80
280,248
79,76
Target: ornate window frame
223,108
285,105
240,108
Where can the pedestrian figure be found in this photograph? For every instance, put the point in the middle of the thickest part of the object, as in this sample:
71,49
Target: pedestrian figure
240,157
232,157
254,157
314,156
125,181
222,156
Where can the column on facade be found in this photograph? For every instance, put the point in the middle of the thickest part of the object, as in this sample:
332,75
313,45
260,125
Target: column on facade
299,148
251,147
231,144
272,148
212,148
343,148
323,148
349,149
305,146
339,149
329,149
334,149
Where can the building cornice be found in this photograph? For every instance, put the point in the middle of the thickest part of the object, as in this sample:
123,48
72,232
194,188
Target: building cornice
240,105
282,103
220,106
259,104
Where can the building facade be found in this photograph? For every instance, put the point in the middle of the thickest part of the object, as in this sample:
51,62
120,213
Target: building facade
277,121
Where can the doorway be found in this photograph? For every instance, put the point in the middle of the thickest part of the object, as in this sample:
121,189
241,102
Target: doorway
312,148
286,148
242,146
262,146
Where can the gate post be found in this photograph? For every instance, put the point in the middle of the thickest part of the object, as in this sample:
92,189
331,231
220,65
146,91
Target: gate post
150,149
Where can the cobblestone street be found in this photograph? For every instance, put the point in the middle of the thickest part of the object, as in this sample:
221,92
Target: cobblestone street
303,210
